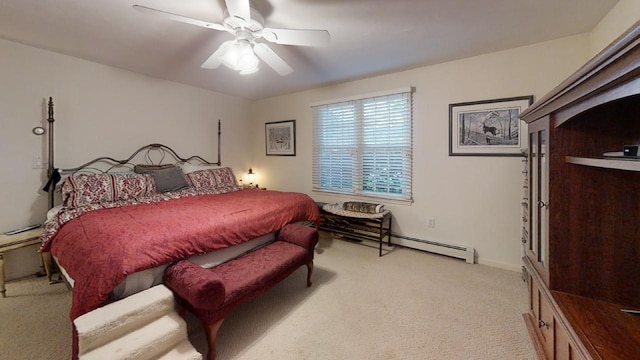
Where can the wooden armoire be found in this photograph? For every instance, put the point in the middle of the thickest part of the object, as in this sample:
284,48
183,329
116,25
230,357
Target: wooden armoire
582,239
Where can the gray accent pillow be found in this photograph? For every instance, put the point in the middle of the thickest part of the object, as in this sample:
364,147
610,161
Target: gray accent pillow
170,179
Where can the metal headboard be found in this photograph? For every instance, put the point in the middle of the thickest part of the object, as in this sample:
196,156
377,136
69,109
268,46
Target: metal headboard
147,150
53,174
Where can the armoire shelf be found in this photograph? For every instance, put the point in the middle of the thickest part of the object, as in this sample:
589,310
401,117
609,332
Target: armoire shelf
618,164
603,327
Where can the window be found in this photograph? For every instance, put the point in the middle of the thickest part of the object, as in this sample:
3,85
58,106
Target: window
363,146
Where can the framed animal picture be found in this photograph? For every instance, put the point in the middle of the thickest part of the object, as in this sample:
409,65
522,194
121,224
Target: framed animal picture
488,127
280,138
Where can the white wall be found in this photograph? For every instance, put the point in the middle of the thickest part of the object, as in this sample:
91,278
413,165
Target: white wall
618,20
475,200
99,111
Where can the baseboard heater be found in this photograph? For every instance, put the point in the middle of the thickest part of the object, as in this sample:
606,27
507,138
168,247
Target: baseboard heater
456,251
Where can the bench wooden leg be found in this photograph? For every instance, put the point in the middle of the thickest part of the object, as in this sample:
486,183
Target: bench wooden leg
309,272
212,333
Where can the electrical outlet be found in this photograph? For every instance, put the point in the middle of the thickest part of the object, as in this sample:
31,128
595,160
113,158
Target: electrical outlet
431,222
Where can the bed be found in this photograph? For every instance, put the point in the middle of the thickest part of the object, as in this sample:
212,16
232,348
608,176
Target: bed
127,219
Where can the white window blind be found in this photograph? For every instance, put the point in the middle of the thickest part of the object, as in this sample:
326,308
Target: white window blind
364,146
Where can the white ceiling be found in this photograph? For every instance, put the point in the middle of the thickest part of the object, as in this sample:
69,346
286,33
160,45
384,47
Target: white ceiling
368,37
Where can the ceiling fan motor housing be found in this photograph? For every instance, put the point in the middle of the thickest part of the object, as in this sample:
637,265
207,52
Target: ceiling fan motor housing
256,23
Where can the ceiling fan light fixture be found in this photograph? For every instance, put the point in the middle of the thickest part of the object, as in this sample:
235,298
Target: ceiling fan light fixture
249,71
231,56
247,60
240,57
246,24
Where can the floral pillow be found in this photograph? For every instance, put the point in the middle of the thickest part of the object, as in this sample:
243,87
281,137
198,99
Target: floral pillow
202,179
211,178
85,189
132,186
225,177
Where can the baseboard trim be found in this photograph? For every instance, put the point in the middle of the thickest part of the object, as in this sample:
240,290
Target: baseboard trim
457,251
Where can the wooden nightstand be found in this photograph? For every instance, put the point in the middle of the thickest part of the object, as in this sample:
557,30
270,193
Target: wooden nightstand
17,241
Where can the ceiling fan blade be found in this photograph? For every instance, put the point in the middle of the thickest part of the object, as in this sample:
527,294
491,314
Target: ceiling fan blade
239,9
179,18
297,37
272,59
215,60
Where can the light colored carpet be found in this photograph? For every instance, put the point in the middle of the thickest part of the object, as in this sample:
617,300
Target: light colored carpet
34,321
407,304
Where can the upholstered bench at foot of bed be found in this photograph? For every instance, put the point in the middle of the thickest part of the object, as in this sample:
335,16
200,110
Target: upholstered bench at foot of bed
211,294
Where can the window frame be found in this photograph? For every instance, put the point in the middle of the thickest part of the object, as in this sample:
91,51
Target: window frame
399,120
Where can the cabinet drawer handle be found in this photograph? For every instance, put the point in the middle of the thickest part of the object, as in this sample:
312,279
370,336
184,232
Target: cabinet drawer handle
542,204
541,324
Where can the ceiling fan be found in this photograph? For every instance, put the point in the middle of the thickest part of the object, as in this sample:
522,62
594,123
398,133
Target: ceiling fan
247,26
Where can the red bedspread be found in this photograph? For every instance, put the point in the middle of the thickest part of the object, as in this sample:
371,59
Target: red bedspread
100,248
